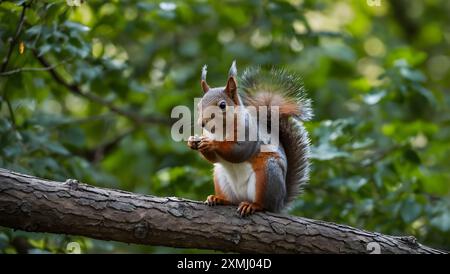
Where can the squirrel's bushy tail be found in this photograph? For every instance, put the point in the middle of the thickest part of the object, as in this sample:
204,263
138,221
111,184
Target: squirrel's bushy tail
285,90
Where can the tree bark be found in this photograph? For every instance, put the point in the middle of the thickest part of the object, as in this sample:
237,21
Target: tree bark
33,204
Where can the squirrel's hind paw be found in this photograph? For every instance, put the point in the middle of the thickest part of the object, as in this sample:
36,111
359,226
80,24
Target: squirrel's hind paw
247,208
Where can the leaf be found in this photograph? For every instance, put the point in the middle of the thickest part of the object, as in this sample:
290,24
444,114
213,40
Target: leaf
146,6
48,120
73,136
409,55
410,210
427,94
340,52
76,26
374,97
355,183
5,125
20,2
326,152
442,221
412,75
363,143
34,30
12,150
42,166
44,49
56,148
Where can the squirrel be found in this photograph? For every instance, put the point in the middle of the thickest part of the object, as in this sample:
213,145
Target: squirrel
244,175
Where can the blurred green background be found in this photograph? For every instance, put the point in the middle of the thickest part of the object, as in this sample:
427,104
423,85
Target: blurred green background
378,76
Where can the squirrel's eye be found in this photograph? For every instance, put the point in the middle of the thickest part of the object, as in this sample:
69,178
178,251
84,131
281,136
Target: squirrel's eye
222,105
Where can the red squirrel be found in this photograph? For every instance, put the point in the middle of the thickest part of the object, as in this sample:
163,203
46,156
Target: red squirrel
244,175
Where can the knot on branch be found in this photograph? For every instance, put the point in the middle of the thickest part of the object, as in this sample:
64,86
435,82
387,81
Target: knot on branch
410,241
72,183
25,208
141,230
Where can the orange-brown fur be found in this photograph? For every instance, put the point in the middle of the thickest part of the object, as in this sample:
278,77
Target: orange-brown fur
286,106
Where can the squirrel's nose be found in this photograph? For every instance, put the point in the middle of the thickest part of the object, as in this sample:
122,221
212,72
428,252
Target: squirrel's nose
203,124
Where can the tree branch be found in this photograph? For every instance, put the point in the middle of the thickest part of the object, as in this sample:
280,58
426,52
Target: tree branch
13,40
76,90
17,70
12,43
33,204
10,110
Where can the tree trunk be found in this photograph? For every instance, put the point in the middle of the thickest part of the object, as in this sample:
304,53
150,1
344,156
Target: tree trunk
33,204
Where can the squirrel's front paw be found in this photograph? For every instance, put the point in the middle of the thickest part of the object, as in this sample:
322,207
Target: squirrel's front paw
206,144
247,208
193,142
213,200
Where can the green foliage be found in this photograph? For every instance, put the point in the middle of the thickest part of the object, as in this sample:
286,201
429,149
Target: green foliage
378,78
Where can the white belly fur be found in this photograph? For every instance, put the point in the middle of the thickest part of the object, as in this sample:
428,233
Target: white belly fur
237,181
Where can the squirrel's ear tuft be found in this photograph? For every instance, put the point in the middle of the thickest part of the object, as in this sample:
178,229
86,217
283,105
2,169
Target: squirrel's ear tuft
231,88
233,70
203,83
